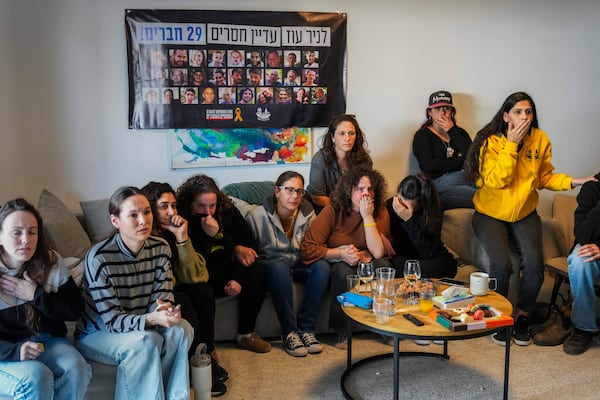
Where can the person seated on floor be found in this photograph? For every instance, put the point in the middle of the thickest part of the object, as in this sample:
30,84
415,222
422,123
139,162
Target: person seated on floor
37,294
190,275
221,234
416,228
354,227
130,318
584,268
440,146
280,224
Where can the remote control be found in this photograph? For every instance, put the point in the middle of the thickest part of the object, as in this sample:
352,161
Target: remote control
413,319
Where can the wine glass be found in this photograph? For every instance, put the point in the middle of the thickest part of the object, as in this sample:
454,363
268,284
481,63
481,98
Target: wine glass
412,273
366,273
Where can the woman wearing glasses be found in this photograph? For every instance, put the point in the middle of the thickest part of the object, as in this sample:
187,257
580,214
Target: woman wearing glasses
220,234
440,147
280,225
343,146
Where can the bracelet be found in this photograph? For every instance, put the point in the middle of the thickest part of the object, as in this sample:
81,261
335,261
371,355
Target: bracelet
371,224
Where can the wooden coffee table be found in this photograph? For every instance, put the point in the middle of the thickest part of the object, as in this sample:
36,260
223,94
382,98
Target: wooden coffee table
400,328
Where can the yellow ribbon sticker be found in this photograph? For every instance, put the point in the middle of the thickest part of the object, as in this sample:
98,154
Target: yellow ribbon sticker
238,115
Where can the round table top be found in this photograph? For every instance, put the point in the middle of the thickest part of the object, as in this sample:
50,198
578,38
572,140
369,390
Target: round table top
401,326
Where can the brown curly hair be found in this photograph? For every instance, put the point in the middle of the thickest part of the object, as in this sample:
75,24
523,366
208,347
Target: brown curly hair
341,200
200,184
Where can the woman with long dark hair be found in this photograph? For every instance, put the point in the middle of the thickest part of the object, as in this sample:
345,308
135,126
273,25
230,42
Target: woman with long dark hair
416,227
509,161
37,294
220,233
190,275
344,146
441,146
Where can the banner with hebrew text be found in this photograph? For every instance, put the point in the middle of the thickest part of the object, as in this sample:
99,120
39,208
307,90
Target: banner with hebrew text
234,69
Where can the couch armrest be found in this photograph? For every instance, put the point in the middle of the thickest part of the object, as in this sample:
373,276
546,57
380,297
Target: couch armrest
457,232
554,241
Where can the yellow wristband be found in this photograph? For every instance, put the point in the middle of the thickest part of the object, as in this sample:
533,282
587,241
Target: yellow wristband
371,224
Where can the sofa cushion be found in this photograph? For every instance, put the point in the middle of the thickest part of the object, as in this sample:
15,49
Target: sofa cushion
62,228
250,192
97,219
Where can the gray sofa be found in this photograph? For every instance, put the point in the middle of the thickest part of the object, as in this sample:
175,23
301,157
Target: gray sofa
73,233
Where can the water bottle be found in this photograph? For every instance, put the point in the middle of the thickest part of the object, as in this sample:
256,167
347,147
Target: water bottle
200,364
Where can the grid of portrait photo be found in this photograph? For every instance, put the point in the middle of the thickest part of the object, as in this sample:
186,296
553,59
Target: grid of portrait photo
204,75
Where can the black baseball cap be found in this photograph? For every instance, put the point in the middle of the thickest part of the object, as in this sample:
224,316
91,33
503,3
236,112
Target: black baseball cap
440,98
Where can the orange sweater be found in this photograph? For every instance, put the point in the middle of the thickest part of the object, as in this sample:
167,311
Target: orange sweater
331,229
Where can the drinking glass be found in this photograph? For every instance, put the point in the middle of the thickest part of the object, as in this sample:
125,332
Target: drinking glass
366,273
412,273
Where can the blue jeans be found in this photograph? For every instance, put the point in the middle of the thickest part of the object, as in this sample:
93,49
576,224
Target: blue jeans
280,279
454,190
582,275
151,364
339,271
494,236
60,369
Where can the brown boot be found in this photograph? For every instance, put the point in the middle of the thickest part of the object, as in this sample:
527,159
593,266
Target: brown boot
555,333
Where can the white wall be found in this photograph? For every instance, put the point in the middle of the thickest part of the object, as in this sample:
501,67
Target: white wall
67,86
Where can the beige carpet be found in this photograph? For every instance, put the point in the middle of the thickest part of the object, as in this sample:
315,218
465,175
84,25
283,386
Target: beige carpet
474,371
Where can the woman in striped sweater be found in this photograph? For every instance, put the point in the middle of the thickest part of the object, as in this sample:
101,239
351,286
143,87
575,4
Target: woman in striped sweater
130,319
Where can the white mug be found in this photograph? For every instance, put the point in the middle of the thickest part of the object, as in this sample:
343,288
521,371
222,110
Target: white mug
480,283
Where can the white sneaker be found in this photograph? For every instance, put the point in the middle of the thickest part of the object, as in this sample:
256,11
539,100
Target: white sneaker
311,343
439,342
423,342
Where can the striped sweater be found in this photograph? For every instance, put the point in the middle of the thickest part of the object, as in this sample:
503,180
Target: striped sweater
120,288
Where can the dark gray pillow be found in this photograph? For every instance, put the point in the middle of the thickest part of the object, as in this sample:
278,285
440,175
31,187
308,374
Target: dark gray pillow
97,219
62,228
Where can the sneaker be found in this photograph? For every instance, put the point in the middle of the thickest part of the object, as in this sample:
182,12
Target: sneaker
499,337
311,343
218,371
341,341
521,334
254,343
422,342
293,345
217,388
439,342
579,341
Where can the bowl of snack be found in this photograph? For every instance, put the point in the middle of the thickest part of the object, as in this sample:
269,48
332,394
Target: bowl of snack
403,290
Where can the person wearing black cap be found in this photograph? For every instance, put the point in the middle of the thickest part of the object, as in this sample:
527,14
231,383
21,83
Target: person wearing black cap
440,147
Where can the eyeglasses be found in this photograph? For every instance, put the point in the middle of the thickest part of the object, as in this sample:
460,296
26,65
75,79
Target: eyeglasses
290,190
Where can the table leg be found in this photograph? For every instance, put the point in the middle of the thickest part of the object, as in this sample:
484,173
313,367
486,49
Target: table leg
507,360
349,352
396,368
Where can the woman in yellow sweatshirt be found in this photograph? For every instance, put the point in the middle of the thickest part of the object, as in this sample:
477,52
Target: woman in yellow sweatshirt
510,159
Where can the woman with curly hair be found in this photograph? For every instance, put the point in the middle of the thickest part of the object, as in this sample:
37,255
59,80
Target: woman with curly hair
37,295
222,236
355,227
509,161
343,146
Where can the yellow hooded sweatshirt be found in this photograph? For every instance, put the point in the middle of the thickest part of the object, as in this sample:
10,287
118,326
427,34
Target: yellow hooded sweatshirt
509,179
